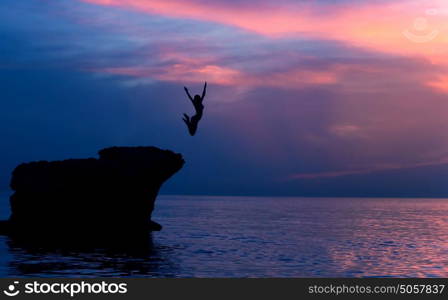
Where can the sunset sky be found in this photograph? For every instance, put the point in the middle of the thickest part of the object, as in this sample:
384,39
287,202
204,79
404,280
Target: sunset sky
311,97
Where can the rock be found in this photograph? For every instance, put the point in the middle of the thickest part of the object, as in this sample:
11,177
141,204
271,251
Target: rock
113,195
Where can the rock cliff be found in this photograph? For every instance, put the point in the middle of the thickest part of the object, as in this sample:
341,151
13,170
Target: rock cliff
114,194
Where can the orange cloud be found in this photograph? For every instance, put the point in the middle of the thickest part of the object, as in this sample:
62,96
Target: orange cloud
441,84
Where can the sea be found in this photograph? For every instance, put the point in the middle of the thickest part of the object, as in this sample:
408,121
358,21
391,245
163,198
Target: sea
210,236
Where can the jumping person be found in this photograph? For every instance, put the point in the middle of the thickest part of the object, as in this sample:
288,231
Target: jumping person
192,123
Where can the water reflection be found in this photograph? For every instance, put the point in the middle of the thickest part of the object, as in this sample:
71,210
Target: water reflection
395,238
258,237
52,259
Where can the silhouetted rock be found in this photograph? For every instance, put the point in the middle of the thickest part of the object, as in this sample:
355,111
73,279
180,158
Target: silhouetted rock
113,195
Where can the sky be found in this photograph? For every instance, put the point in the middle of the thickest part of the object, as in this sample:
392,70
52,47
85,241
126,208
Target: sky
306,98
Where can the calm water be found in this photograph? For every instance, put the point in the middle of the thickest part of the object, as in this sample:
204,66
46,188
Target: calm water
264,237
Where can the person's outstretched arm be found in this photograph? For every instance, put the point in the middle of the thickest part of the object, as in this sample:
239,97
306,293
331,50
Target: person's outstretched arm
188,93
204,91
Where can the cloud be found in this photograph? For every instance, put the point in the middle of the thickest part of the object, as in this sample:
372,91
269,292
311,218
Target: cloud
347,130
379,168
440,84
378,25
229,57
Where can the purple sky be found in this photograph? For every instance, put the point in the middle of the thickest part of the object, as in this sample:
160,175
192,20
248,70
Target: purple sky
305,97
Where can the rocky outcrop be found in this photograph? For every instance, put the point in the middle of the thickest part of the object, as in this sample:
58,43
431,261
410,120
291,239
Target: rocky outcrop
113,194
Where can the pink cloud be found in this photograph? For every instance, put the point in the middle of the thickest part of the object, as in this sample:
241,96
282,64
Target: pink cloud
440,84
184,73
225,76
171,65
378,26
373,169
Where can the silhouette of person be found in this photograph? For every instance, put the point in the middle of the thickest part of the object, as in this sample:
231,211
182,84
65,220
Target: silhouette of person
192,123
